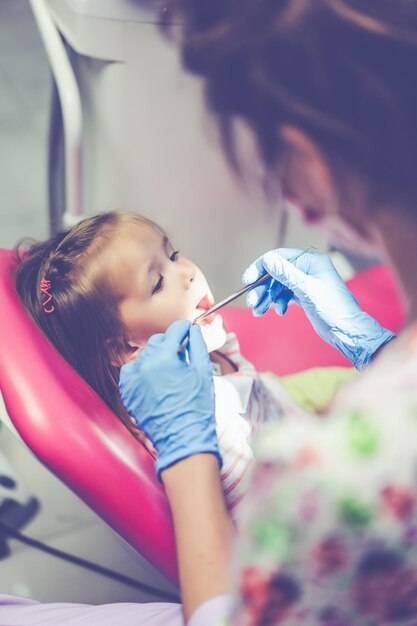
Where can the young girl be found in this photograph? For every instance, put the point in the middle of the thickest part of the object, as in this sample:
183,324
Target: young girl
99,291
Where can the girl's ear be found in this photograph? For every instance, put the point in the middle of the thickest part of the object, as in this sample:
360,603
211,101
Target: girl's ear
133,352
122,352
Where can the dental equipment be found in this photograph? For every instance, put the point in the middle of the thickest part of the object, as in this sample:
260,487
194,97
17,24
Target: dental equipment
230,298
235,296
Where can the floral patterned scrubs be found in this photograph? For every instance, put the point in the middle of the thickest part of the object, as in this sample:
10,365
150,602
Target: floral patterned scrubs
329,536
329,530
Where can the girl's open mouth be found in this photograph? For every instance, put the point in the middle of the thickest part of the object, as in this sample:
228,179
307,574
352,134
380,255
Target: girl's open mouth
204,305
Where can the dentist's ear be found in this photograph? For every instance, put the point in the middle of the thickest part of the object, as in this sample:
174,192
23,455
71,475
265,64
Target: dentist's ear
310,169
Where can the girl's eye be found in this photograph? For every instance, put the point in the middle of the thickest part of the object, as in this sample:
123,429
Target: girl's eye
158,286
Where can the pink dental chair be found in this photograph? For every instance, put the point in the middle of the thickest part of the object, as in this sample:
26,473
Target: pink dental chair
75,435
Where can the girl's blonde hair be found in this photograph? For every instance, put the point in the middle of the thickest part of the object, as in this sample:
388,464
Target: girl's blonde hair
85,324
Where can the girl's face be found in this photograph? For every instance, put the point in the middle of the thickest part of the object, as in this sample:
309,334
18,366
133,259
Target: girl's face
158,285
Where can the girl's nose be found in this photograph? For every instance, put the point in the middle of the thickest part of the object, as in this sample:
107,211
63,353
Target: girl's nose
188,274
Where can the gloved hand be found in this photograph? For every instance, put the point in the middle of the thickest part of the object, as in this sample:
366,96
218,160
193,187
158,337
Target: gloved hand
172,400
313,283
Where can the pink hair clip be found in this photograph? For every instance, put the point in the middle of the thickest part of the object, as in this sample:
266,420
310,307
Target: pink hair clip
45,287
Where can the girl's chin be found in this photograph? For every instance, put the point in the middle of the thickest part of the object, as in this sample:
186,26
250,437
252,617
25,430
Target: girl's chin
214,334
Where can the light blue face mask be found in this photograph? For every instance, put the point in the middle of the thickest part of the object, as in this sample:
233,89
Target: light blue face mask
343,235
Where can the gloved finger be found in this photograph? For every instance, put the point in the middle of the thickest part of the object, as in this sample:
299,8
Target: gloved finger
253,272
197,347
281,302
285,273
263,305
154,340
257,268
125,372
261,298
277,289
176,333
256,295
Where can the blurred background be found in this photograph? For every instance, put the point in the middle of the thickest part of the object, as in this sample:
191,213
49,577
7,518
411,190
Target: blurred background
24,118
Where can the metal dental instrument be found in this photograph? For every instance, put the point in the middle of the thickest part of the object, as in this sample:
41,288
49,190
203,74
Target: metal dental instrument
234,296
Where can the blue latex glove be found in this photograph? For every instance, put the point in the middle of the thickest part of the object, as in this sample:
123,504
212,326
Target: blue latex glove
170,398
313,283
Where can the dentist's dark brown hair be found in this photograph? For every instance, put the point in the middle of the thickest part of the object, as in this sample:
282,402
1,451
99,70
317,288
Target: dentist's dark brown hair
342,71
